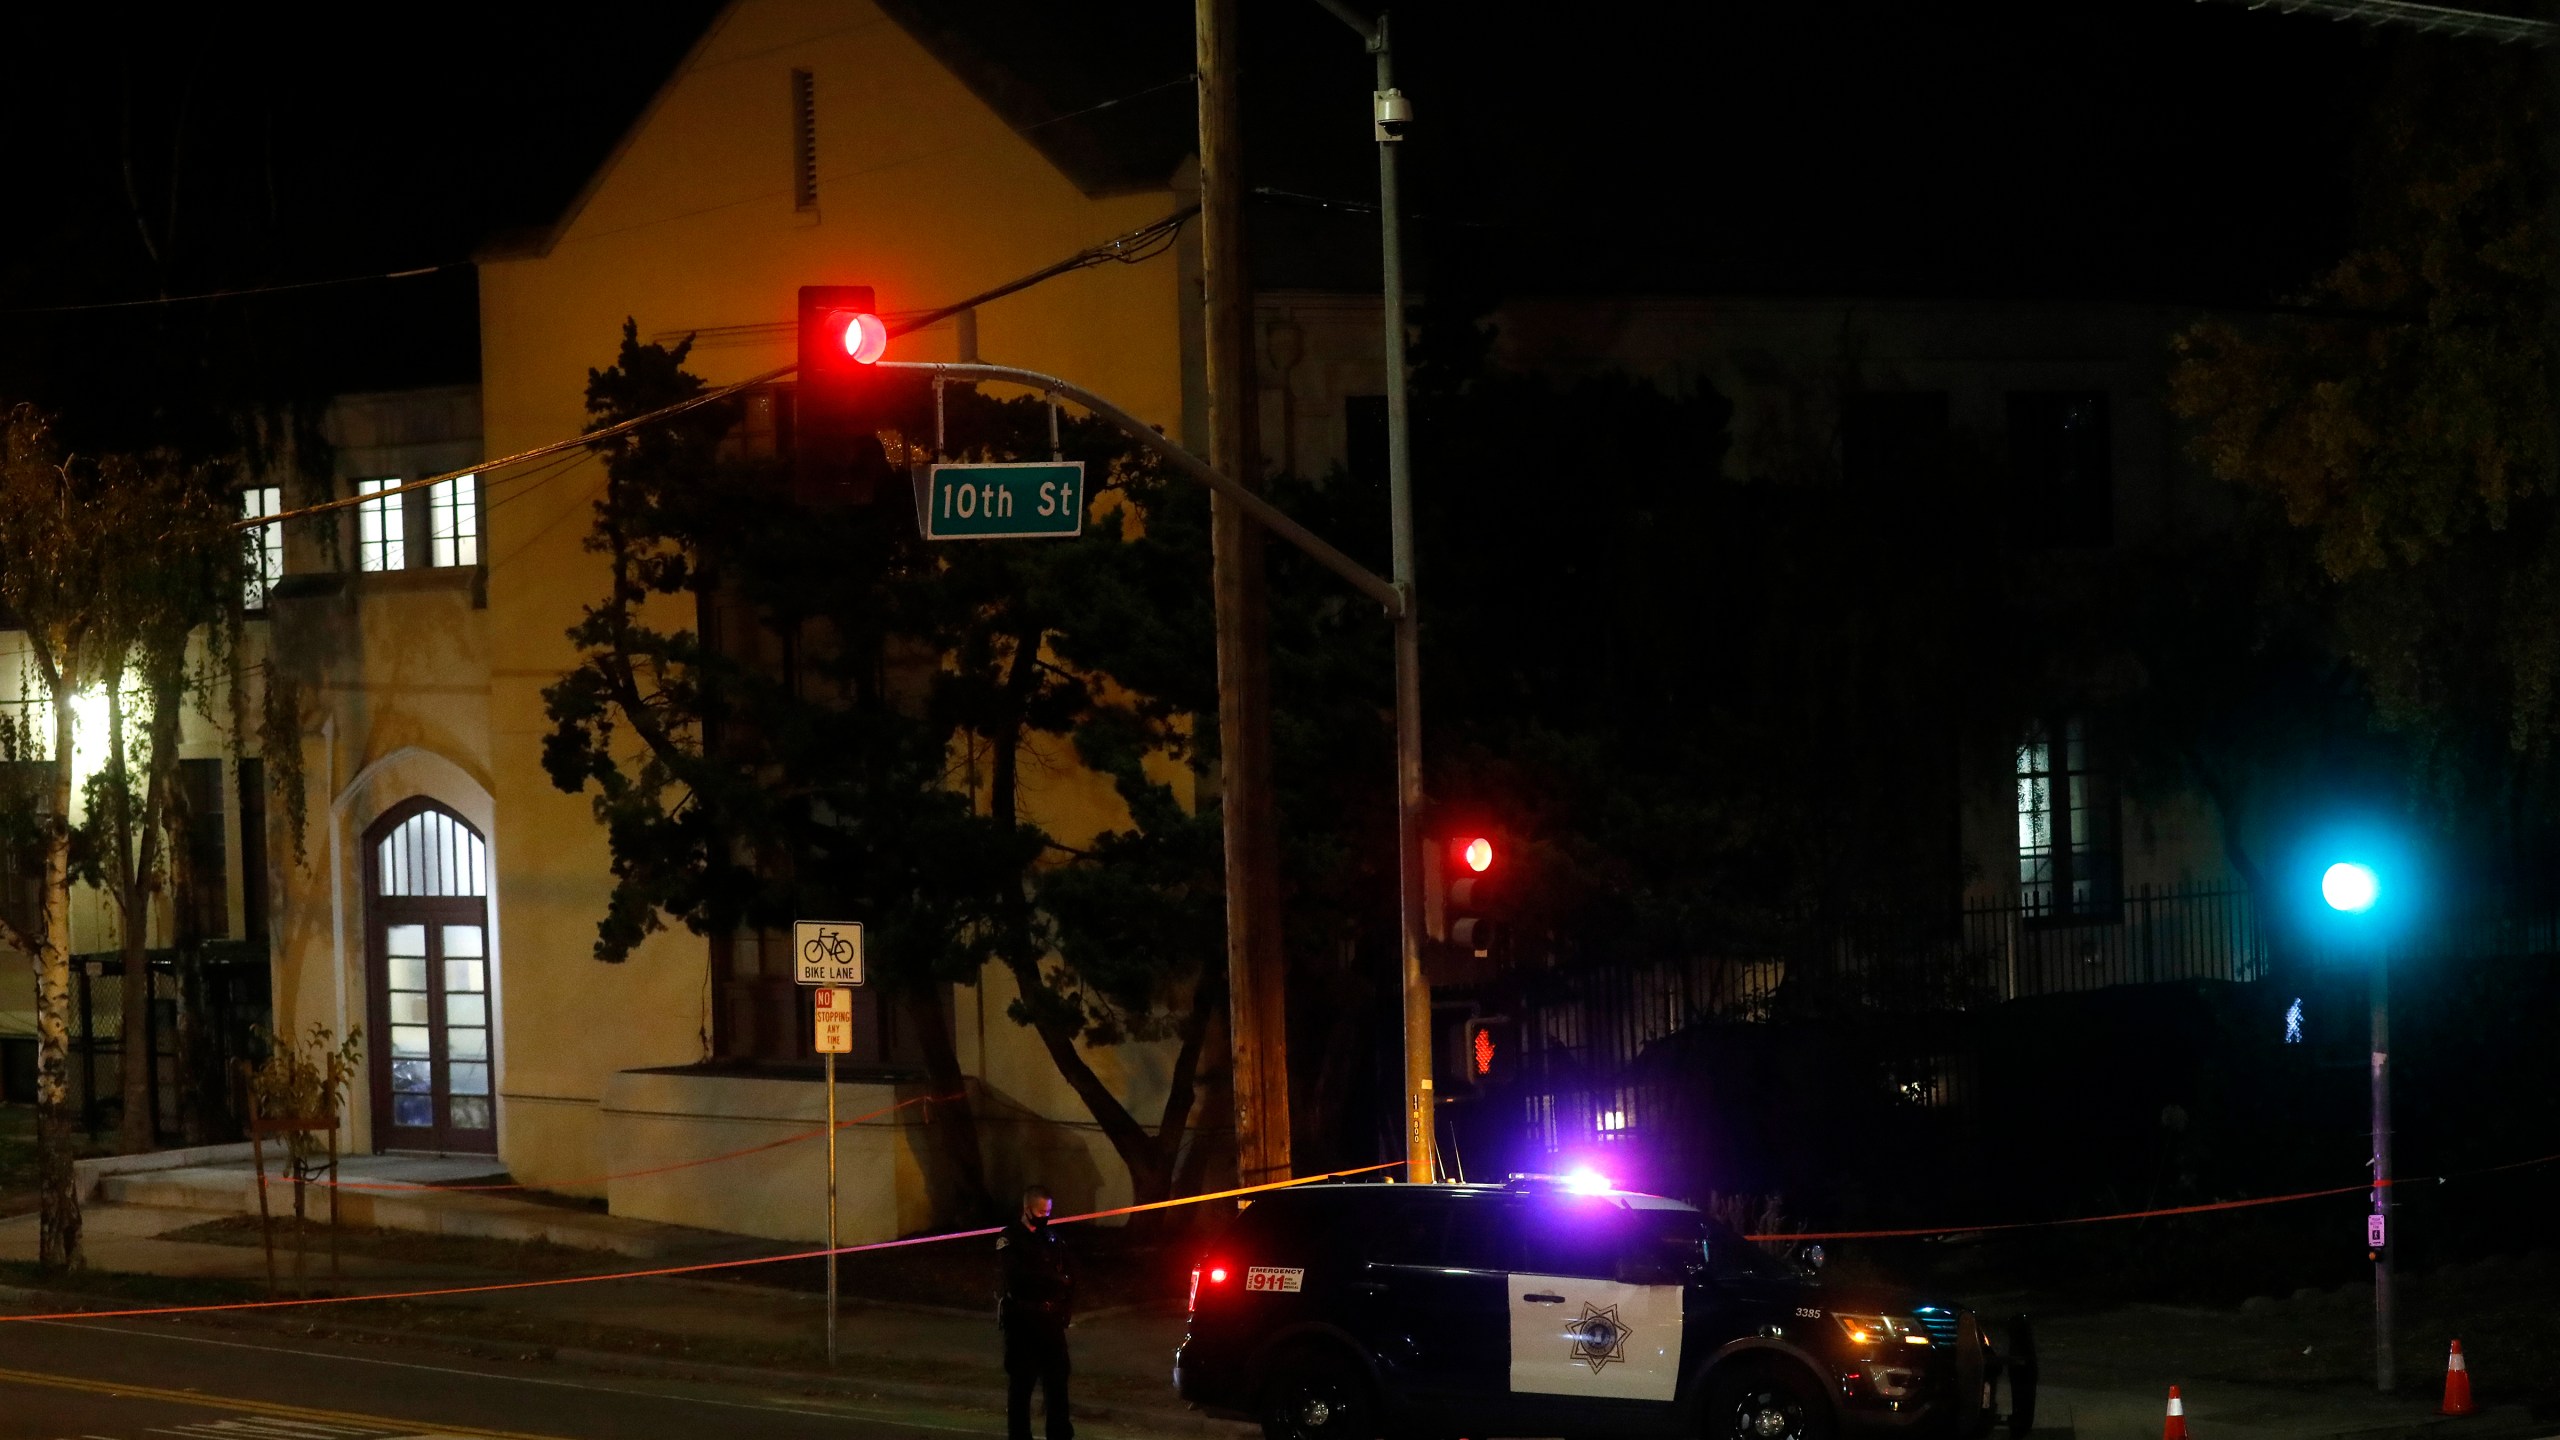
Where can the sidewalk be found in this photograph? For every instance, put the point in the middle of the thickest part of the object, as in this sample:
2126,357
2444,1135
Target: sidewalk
942,1350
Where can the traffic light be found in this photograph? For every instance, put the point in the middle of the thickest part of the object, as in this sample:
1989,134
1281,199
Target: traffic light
835,441
1461,873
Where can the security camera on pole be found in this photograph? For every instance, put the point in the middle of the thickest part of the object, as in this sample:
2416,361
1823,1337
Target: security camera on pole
829,956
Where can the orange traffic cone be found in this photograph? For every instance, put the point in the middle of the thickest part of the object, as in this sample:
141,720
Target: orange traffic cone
2175,1428
2457,1383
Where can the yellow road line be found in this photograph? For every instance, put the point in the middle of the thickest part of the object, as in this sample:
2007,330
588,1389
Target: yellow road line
395,1424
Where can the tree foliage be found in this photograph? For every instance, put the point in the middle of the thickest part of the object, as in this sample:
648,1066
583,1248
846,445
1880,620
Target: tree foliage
123,573
785,708
2398,425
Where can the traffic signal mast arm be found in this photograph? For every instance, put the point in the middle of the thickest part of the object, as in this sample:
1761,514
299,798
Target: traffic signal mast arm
1269,515
1143,243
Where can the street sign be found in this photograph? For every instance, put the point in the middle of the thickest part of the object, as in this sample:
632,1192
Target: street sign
829,952
1002,502
835,1020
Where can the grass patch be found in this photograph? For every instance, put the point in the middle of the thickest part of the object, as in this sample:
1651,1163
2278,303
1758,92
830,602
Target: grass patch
472,1252
119,1285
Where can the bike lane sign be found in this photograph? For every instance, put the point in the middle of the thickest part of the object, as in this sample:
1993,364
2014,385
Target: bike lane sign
829,952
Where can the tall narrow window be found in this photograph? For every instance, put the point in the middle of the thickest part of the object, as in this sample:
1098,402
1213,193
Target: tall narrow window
1364,438
25,786
2066,825
382,540
266,555
453,521
1894,461
804,140
207,830
253,851
2062,470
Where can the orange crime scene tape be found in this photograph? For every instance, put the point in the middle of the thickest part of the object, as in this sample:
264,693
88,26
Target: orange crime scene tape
666,1270
986,1230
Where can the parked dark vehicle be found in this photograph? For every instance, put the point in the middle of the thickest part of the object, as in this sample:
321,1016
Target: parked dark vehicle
1542,1308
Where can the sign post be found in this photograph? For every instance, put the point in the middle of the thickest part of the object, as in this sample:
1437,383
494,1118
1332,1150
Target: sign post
830,958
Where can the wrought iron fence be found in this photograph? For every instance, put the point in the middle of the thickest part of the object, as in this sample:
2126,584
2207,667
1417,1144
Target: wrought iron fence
1839,1056
1881,1017
236,1002
1591,1022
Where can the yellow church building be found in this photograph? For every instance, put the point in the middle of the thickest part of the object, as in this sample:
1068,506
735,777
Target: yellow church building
446,898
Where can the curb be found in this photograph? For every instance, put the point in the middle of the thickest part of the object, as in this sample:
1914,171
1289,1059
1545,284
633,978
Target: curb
2499,1422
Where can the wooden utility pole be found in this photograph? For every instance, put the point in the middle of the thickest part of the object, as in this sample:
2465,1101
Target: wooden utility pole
1257,991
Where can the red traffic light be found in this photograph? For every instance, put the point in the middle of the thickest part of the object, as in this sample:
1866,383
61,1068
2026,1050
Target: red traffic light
865,338
1477,854
841,335
1484,1052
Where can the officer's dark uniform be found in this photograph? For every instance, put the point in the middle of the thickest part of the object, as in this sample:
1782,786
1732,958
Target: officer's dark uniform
1037,1300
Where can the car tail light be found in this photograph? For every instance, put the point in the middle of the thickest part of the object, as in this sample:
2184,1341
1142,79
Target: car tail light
1214,1272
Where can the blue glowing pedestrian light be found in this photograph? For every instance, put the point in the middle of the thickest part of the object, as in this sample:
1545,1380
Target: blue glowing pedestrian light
2350,887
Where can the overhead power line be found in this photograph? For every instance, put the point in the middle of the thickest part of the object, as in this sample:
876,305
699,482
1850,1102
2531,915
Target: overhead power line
410,274
2427,19
1144,243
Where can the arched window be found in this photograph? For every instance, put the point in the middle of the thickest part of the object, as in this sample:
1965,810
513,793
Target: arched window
427,954
433,854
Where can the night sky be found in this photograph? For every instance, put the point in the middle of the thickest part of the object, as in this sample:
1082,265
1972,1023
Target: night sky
2156,149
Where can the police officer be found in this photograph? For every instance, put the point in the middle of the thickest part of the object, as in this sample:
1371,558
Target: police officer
1033,1308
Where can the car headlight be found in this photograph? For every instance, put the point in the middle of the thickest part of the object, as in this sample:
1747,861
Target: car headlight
1882,1329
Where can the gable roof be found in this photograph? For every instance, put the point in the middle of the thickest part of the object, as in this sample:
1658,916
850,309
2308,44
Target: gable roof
1104,94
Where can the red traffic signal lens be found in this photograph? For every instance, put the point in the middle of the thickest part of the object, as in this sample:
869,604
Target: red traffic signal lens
1478,854
865,338
1484,1056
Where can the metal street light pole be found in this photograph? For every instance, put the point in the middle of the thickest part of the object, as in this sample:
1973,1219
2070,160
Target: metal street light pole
2379,994
1389,114
2353,890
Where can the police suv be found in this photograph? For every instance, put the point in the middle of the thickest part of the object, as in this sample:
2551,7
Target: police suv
1552,1308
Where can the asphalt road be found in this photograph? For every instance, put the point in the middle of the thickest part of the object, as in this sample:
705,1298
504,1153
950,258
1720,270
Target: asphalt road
141,1380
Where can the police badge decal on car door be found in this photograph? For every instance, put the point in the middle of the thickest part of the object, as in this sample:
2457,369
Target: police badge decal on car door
1584,1319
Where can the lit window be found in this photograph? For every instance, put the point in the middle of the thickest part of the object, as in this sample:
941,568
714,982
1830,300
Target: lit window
382,541
2066,825
266,555
453,521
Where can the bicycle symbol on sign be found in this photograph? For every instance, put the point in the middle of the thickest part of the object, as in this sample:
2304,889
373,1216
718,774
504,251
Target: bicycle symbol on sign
828,948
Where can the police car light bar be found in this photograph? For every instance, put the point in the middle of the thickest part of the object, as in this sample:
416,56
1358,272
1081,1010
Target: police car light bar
1581,1180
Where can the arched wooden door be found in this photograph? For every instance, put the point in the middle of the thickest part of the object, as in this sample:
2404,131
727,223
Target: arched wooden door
427,955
